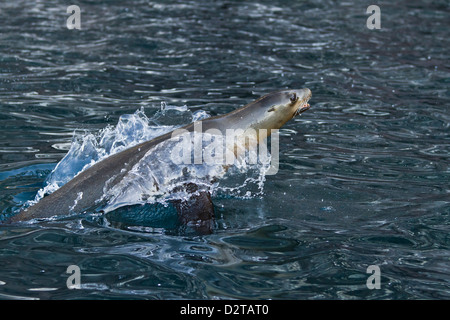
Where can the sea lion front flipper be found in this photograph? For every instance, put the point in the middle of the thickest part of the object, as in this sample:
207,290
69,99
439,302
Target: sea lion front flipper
197,211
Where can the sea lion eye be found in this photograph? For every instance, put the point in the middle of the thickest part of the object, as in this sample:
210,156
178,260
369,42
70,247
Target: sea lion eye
293,97
272,108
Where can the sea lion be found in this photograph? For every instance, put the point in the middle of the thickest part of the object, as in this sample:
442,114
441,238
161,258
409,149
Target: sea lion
84,191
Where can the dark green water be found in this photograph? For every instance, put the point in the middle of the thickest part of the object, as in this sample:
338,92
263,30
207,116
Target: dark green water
364,175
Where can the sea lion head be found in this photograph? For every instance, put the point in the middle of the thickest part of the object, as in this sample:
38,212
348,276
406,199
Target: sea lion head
273,110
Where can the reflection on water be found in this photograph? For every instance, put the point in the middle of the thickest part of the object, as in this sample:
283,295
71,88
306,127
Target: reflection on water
363,176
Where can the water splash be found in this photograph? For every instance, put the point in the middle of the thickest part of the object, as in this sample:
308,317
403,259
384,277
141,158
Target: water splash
154,179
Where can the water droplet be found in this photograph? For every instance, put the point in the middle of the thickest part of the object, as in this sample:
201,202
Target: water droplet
328,209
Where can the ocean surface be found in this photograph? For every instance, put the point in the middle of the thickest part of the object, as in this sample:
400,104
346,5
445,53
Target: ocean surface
364,175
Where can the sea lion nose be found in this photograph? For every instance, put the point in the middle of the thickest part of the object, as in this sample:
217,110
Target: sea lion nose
308,92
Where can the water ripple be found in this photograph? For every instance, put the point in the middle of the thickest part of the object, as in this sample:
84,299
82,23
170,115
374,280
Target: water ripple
363,176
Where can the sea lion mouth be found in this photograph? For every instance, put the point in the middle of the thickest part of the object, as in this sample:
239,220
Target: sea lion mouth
303,107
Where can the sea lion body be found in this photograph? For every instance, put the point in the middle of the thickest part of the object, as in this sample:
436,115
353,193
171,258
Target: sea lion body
86,190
